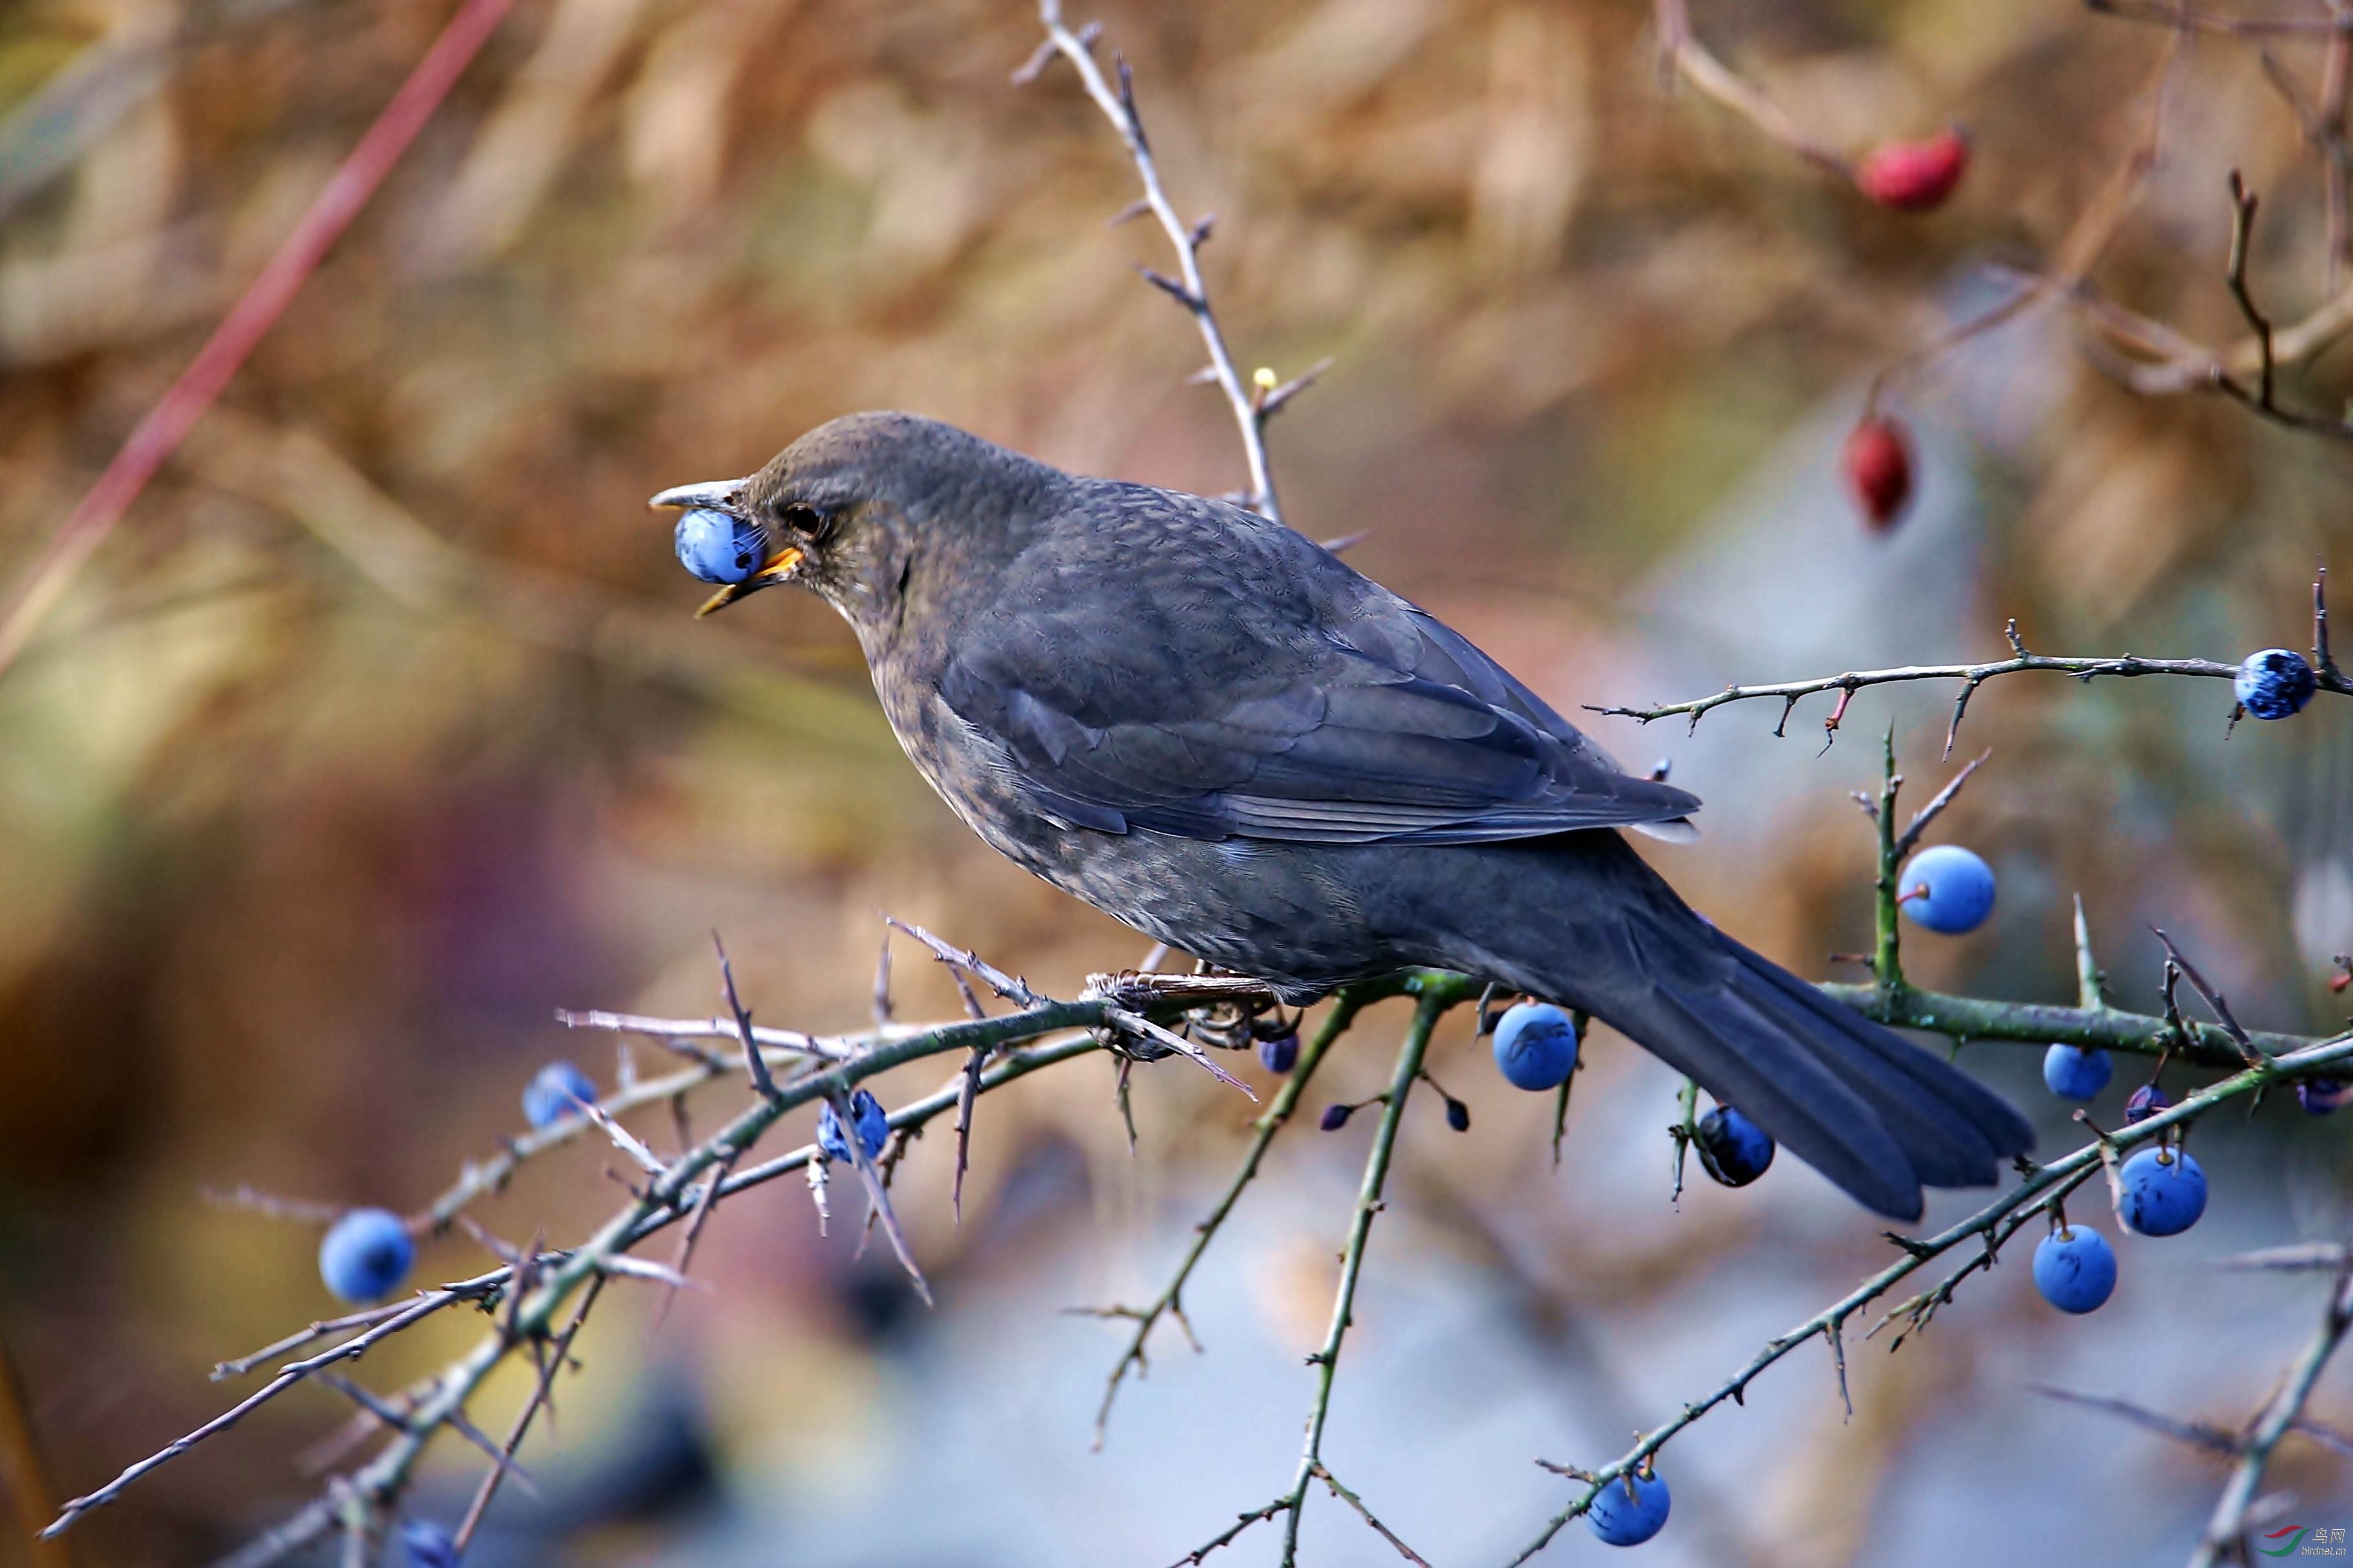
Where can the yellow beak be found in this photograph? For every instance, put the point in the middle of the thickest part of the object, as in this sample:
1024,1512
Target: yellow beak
779,568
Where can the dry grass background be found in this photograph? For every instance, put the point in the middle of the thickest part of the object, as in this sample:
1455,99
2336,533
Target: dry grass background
378,730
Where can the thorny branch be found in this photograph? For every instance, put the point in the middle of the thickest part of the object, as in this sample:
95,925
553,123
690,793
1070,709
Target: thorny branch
1972,676
2226,1531
1989,1226
1435,995
527,1295
1170,1302
1252,404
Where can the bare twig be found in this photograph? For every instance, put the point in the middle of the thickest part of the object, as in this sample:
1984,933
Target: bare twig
2198,1434
1170,1302
2126,665
2226,1531
1435,995
1251,409
2213,998
1681,51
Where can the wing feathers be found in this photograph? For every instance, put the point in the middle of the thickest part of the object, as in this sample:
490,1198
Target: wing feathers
1291,700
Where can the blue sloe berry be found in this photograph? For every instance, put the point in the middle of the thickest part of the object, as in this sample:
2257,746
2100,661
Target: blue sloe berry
2275,684
366,1254
2075,1269
2319,1096
2164,1192
559,1090
1946,889
1281,1054
874,1128
2073,1073
428,1545
1628,1510
1535,1046
716,547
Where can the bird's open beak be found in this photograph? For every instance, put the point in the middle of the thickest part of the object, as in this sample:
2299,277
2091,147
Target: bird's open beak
719,495
779,569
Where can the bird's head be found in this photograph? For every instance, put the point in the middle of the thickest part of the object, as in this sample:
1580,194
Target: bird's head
850,509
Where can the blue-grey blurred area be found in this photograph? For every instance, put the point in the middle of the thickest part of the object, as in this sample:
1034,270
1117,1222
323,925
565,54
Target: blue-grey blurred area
380,729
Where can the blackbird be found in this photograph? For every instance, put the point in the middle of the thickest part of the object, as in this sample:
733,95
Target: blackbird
1211,728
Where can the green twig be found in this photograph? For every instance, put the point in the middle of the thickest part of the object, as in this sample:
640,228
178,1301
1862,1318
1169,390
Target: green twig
1170,1302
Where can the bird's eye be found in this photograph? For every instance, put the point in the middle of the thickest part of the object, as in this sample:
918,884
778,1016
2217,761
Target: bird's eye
802,518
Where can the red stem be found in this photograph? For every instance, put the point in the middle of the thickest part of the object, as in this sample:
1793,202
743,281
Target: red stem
159,435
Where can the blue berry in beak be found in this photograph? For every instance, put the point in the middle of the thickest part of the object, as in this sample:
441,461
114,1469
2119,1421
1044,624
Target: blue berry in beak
718,548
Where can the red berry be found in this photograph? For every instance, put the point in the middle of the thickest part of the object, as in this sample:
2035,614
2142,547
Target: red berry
1878,464
1913,176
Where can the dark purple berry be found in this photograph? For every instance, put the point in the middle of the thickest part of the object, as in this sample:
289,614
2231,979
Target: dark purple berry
1458,1115
1281,1054
2320,1095
427,1544
1336,1117
1732,1148
2147,1101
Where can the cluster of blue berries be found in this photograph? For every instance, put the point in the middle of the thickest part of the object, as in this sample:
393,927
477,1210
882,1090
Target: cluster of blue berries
2164,1192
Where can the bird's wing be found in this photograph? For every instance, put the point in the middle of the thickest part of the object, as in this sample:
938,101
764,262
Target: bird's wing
1263,689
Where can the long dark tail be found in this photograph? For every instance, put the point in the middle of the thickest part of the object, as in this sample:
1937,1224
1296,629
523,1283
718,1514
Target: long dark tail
1877,1115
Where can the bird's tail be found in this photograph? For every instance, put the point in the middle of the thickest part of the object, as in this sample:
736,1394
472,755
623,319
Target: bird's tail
1877,1115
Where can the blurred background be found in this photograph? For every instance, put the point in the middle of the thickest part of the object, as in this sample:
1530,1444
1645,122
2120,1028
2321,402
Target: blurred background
380,729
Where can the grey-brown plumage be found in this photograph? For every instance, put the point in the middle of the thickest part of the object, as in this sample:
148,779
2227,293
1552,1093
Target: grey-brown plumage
1209,726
